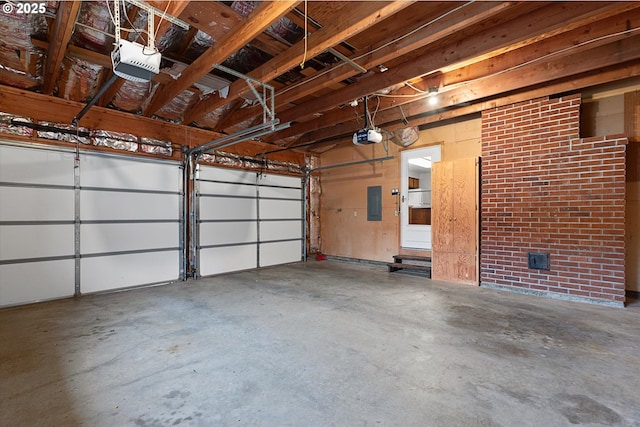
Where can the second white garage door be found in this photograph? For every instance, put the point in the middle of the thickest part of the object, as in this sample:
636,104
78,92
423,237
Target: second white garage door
246,220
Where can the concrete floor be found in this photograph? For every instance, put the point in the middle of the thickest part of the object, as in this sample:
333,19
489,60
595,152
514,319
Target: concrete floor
319,344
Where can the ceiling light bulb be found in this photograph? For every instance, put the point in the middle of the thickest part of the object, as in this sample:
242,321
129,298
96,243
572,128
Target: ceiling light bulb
433,95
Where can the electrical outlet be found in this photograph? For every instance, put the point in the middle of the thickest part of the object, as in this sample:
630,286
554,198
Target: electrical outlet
355,213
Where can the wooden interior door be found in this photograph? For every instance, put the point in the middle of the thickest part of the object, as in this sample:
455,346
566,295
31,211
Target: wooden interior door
455,221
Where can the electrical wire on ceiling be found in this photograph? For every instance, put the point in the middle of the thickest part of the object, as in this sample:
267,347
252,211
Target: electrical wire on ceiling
164,14
416,89
453,86
306,34
397,39
133,28
422,93
375,111
543,57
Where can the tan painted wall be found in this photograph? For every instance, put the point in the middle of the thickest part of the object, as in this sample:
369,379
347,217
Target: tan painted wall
344,229
602,116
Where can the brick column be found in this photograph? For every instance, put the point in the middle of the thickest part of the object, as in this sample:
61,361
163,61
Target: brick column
545,190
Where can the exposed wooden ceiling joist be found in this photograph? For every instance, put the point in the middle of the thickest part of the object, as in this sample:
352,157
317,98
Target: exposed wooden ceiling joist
619,53
485,45
361,15
580,39
453,19
243,33
60,36
44,108
477,53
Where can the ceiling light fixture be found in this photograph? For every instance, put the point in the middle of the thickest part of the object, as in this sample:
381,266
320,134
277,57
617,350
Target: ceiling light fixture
382,68
433,95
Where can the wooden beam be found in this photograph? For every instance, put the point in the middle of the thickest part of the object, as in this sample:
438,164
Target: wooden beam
599,77
492,42
544,22
173,8
567,75
62,30
573,42
260,19
361,15
47,108
386,50
211,17
18,80
503,40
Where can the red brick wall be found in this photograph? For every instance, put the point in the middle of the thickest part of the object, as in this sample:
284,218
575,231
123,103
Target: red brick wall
546,190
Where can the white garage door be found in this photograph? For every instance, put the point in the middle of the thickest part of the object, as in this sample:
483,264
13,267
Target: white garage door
110,223
37,255
130,222
246,220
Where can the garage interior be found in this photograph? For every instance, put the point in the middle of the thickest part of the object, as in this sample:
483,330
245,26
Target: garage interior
331,213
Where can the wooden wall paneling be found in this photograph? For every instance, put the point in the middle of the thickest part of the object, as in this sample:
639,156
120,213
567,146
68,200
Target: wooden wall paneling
442,226
464,206
455,221
442,196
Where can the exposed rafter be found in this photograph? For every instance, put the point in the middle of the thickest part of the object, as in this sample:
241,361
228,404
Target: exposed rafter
452,18
485,45
60,36
477,53
262,17
581,39
361,16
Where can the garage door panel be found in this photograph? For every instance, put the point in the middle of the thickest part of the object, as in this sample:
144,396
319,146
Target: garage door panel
224,233
280,253
227,259
280,180
36,204
113,172
104,238
118,205
226,188
280,230
25,283
280,209
122,271
227,208
228,175
282,193
36,241
31,166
